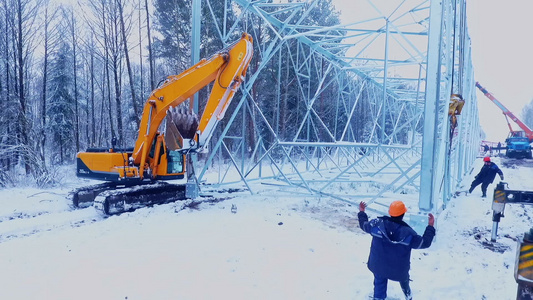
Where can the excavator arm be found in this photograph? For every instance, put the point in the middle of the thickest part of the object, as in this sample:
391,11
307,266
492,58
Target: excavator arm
226,69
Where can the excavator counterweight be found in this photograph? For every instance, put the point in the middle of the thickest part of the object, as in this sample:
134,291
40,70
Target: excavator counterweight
132,176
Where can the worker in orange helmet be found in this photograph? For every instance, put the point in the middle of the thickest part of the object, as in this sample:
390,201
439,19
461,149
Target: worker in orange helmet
486,176
390,251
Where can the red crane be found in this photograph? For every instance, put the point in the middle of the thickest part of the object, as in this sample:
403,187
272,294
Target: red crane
526,131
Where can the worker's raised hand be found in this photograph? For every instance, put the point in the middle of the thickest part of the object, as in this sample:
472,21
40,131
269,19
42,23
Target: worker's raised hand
362,206
431,219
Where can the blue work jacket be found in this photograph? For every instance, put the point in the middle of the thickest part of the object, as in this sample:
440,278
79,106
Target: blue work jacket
488,173
392,241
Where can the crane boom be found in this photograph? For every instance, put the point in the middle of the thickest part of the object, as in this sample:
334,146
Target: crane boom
528,132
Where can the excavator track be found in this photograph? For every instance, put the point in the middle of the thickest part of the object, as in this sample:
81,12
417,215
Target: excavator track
114,202
84,196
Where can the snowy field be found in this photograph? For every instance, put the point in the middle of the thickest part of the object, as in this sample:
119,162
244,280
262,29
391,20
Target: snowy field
266,247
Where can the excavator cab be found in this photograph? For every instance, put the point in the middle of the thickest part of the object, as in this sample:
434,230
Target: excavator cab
175,161
164,164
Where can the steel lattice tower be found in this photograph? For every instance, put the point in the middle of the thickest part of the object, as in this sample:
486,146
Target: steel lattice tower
398,64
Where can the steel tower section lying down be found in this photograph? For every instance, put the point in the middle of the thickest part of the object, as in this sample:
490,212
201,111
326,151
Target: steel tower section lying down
363,104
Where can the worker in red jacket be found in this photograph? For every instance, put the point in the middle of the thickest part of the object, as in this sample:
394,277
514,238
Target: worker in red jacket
390,252
486,176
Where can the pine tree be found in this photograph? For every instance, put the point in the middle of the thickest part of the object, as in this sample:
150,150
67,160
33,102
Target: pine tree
173,21
61,110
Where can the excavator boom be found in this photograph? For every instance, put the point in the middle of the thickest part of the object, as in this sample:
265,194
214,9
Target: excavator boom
159,155
227,69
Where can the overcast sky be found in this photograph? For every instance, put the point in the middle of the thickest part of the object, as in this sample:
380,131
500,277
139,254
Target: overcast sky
502,50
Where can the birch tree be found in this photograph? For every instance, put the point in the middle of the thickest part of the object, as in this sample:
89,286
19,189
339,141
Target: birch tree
24,36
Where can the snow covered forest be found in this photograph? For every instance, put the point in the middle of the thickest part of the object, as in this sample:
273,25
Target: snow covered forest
76,75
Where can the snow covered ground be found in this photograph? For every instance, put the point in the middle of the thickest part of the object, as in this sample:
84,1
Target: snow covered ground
269,246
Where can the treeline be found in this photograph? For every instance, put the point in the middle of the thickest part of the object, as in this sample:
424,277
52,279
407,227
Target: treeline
77,76
527,115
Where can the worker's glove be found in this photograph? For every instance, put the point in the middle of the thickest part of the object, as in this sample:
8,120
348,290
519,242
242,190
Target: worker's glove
431,219
501,176
362,206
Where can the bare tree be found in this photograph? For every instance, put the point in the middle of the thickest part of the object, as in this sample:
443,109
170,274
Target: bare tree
139,23
128,64
116,56
49,35
92,106
71,23
104,26
6,119
150,54
25,12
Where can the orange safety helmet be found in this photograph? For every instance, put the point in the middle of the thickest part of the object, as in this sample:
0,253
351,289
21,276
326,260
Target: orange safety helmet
397,208
486,159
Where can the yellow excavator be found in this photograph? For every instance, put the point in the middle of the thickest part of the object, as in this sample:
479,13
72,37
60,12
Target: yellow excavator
133,176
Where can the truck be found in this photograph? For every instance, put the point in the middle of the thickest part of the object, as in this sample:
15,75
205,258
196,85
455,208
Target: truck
519,141
137,177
